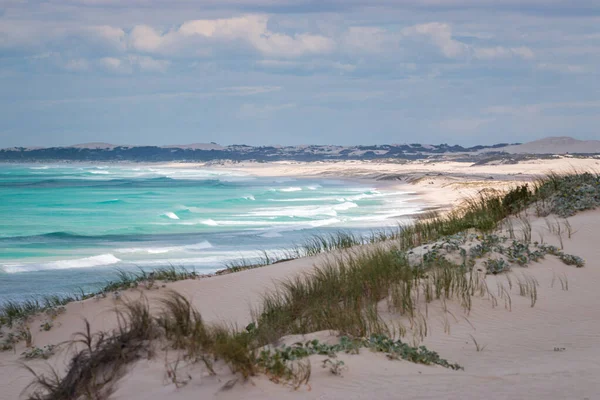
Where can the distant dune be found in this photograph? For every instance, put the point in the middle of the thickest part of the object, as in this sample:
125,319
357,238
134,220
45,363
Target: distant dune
94,145
555,145
204,152
195,146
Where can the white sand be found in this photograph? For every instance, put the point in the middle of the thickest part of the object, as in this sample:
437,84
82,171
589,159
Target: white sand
518,362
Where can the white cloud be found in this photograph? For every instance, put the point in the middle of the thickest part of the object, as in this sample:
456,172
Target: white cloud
441,35
77,65
488,53
250,29
109,34
128,64
565,68
248,90
111,63
149,63
145,38
368,39
307,65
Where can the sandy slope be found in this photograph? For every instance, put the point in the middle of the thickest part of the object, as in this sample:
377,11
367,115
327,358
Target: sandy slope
518,361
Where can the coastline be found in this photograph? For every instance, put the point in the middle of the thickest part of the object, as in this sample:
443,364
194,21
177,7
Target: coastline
524,334
441,184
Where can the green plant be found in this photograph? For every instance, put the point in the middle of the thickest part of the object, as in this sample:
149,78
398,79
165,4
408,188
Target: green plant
335,367
496,266
572,260
46,326
36,352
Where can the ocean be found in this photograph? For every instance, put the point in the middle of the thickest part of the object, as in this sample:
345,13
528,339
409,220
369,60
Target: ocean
69,227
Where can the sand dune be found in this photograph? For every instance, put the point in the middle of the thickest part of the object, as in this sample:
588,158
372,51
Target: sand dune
555,145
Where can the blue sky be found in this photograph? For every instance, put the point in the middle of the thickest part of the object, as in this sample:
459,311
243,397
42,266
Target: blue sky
298,71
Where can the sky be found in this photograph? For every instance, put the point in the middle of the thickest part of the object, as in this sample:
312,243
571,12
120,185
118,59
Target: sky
266,72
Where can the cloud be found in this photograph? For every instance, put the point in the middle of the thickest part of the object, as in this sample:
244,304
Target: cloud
113,64
489,53
129,63
77,65
248,90
115,37
249,29
149,63
145,38
312,65
368,39
441,35
565,68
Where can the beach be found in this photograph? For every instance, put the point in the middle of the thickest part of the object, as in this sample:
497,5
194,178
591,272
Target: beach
508,347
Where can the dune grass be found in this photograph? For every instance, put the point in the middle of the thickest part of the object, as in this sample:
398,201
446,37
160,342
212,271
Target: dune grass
12,311
99,360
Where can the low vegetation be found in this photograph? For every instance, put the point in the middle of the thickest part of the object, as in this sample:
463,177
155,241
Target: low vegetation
12,311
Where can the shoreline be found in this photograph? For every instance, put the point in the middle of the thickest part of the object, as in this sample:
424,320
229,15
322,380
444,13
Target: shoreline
421,181
518,343
219,268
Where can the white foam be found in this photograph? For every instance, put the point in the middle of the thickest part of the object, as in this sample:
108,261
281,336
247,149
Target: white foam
304,199
100,172
314,187
88,262
209,222
324,222
299,211
272,234
291,189
164,250
171,215
248,197
191,209
345,206
38,168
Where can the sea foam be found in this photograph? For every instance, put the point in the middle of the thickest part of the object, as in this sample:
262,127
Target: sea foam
163,250
88,262
170,215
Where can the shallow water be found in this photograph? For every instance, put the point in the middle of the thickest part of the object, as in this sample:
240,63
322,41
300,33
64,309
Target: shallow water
70,226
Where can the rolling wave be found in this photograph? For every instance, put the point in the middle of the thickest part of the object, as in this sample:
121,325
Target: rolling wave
88,262
170,215
163,250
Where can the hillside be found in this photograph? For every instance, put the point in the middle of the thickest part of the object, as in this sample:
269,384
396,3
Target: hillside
556,145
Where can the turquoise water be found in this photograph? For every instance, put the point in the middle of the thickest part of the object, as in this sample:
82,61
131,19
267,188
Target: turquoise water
66,227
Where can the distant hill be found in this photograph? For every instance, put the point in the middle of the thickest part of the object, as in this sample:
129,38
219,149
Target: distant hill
95,145
214,152
556,145
204,152
195,146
